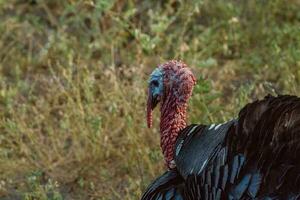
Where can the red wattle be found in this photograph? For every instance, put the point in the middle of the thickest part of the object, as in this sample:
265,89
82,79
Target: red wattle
173,119
149,110
178,83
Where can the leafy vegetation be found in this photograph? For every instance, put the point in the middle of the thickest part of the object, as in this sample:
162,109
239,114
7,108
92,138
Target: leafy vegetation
74,75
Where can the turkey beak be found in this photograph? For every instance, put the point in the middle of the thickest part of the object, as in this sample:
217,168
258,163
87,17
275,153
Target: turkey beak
151,104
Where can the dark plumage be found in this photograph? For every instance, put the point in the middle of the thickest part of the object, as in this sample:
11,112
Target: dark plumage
256,156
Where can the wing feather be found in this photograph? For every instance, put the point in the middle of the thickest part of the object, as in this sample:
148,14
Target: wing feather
166,187
256,156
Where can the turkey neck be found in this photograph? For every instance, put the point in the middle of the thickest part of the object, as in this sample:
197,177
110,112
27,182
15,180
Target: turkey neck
173,120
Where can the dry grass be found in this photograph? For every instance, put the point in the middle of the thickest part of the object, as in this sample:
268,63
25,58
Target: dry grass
73,81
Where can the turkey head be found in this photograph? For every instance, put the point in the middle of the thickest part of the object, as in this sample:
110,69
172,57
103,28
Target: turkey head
171,85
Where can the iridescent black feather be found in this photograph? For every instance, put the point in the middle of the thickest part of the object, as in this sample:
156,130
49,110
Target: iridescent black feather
254,157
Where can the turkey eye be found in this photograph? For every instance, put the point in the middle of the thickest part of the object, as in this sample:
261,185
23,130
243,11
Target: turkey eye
155,83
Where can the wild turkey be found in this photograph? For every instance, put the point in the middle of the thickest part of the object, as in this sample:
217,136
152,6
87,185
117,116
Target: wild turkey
256,156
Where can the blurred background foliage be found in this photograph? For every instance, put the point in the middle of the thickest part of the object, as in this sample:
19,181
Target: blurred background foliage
73,78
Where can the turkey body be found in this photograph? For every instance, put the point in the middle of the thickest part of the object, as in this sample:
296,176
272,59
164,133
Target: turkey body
256,156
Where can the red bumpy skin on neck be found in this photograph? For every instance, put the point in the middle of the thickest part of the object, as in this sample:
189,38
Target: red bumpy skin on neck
149,110
178,85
